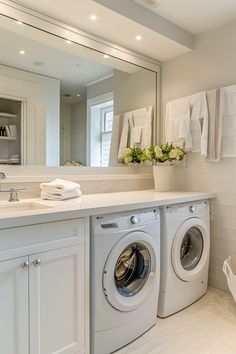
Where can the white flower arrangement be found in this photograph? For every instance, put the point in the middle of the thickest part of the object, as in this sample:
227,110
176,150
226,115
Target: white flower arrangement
166,153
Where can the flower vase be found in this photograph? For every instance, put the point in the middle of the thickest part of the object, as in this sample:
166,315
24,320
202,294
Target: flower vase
162,177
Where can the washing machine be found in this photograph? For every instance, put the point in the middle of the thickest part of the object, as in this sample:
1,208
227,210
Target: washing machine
185,248
125,273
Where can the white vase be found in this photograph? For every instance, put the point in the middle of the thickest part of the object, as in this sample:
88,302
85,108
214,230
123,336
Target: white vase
162,177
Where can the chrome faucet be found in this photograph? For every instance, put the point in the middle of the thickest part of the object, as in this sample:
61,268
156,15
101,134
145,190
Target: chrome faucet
13,191
2,176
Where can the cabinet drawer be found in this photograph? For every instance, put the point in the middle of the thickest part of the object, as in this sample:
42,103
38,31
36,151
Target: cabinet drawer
35,238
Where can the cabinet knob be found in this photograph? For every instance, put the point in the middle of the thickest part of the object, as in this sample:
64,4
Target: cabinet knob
36,262
24,264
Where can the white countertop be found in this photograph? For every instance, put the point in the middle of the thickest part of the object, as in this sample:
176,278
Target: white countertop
93,204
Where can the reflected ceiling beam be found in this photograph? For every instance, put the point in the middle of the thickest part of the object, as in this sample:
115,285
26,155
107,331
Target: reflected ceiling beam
149,19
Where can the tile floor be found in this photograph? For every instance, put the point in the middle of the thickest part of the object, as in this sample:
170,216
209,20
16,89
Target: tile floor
206,327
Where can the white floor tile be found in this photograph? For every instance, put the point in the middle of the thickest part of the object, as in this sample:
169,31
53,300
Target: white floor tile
206,327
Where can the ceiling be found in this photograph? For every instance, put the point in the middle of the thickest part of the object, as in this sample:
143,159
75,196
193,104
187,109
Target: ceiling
121,20
197,16
110,26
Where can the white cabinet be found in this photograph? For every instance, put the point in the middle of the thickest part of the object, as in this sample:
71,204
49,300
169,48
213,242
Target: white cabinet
14,324
57,301
44,296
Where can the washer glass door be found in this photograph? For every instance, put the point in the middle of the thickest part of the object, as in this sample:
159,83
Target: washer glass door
130,271
190,249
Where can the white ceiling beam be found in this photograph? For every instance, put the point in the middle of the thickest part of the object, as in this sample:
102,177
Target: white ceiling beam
149,19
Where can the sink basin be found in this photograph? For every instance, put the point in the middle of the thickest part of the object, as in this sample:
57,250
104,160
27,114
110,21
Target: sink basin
18,207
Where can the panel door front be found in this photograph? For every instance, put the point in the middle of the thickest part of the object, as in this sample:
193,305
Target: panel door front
57,301
14,329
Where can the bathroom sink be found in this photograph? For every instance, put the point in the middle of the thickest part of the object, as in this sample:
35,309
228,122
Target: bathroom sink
18,207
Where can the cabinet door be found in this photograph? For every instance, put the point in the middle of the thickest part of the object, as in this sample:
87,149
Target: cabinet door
57,301
14,329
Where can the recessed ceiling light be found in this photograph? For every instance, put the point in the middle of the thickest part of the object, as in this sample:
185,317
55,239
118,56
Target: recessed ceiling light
78,95
93,17
19,22
22,52
138,37
105,56
67,41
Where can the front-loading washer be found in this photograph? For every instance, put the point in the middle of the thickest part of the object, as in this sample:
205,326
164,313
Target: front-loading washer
185,248
125,273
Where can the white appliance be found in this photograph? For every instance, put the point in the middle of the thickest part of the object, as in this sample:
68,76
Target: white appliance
125,269
185,248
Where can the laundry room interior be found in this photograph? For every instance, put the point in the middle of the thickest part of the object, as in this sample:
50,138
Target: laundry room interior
117,177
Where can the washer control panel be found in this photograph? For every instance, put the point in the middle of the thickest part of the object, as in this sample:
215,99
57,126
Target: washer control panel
123,221
192,208
134,219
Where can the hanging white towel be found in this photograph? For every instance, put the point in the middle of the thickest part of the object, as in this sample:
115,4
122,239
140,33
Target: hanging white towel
141,118
215,105
177,122
135,136
199,122
228,148
116,133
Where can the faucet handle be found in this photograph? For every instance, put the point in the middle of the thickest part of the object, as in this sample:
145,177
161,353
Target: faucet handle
2,175
14,194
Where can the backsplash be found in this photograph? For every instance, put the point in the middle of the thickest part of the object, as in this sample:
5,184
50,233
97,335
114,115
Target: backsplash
90,186
219,178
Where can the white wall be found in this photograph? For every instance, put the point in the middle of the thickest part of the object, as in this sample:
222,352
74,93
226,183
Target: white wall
42,95
211,64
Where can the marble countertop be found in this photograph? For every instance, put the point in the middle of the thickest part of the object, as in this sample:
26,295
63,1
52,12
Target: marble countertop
93,204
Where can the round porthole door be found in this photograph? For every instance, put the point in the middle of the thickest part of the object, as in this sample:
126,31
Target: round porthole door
190,249
130,271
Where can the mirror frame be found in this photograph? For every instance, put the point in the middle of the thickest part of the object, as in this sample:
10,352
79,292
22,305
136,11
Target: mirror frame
55,27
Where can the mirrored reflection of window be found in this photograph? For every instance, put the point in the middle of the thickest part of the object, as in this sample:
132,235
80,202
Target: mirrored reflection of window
100,131
106,132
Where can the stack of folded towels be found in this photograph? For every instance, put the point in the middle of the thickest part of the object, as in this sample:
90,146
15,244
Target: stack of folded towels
59,189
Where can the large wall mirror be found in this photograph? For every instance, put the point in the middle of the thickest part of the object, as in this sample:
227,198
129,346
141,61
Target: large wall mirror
65,104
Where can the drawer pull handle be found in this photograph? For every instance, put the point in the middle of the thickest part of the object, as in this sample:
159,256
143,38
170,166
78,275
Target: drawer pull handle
24,265
37,262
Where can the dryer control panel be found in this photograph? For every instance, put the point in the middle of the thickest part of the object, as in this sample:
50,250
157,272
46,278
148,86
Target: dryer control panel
186,210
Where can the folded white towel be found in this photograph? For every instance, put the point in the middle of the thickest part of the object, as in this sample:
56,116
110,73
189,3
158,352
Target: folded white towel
61,196
60,189
59,185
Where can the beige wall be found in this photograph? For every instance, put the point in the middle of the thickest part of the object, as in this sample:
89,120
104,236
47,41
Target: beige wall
78,131
100,88
211,64
65,132
133,91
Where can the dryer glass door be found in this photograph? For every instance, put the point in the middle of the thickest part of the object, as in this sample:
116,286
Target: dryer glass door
132,269
191,248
